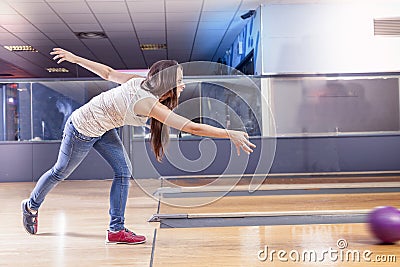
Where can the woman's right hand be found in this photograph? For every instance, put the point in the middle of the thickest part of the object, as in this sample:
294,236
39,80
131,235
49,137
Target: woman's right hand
241,141
63,55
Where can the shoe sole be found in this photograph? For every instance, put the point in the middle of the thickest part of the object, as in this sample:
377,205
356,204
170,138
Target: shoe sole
124,243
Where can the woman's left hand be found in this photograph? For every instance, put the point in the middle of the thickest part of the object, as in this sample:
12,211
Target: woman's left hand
63,55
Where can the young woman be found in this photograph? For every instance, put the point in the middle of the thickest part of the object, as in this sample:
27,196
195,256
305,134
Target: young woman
93,125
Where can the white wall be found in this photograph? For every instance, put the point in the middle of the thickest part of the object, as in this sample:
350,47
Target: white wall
330,37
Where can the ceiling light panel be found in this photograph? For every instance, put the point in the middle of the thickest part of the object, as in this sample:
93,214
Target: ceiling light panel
20,48
57,70
153,46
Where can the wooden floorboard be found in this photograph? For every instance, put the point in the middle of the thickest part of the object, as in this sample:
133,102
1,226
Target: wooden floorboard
240,246
74,218
72,226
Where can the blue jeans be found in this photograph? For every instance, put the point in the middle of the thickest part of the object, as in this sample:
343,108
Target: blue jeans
74,148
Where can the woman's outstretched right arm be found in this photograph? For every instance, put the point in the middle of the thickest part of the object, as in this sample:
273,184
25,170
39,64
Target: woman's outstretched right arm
101,70
154,109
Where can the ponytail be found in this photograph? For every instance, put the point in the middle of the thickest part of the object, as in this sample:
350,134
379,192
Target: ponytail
159,131
161,81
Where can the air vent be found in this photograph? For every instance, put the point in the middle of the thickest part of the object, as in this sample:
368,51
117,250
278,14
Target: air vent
387,27
6,75
91,35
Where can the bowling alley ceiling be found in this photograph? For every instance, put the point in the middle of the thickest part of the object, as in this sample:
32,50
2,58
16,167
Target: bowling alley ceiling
185,30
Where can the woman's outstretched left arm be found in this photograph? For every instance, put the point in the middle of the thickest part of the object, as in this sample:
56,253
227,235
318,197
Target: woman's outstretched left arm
101,70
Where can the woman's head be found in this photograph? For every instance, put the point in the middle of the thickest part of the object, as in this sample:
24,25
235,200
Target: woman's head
163,80
162,77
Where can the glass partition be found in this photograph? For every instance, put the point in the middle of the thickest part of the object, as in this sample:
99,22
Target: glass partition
36,110
15,111
331,106
232,102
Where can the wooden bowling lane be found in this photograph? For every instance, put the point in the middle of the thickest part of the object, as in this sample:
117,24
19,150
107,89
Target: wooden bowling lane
246,246
278,203
278,194
289,180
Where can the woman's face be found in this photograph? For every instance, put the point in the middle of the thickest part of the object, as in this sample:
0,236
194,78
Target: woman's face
180,86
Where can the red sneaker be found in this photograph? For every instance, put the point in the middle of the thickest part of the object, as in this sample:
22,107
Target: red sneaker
124,237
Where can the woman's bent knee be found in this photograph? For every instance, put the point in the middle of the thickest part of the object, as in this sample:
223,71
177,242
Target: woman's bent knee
58,175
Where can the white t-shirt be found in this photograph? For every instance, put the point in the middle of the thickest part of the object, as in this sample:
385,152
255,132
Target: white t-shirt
111,109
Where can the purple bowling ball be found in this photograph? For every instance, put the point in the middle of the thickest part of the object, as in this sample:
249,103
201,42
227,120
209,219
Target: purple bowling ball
384,223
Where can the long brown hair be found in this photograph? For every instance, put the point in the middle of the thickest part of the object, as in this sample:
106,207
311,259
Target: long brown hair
161,80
